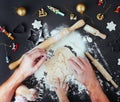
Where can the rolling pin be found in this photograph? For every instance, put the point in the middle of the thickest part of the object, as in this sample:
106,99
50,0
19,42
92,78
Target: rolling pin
48,42
101,69
94,31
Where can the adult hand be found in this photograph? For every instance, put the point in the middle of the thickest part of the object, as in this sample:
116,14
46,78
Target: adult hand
83,72
31,62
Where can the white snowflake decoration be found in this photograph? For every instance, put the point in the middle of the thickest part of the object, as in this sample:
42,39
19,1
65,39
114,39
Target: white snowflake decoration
36,24
118,61
111,26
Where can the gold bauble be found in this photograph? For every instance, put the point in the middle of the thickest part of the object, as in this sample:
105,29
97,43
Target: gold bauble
80,8
21,11
100,16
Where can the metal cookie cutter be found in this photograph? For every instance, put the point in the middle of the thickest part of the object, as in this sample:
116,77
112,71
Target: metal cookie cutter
50,54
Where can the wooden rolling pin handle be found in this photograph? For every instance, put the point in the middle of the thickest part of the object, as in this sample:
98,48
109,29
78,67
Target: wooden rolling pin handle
62,33
77,25
94,31
101,69
89,56
15,64
11,37
103,36
114,84
52,40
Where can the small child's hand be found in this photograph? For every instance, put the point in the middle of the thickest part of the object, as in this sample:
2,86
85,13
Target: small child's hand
61,90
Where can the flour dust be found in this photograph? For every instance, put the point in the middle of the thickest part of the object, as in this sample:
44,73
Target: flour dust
78,44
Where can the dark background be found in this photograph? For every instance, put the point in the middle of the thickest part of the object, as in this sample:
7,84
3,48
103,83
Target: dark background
10,20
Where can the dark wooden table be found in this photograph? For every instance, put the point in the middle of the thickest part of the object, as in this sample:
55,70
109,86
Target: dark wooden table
109,47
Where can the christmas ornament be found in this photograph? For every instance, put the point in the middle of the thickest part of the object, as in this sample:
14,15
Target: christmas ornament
80,8
42,13
100,2
117,10
73,17
100,16
9,35
15,47
55,10
118,61
111,26
21,11
37,24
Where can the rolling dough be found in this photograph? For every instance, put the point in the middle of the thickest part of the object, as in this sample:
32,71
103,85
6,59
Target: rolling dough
57,66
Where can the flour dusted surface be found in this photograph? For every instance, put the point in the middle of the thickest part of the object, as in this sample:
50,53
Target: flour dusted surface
77,47
56,66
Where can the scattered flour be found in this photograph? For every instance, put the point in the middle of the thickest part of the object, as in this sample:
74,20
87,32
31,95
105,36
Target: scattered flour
77,45
118,93
88,38
74,40
20,99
